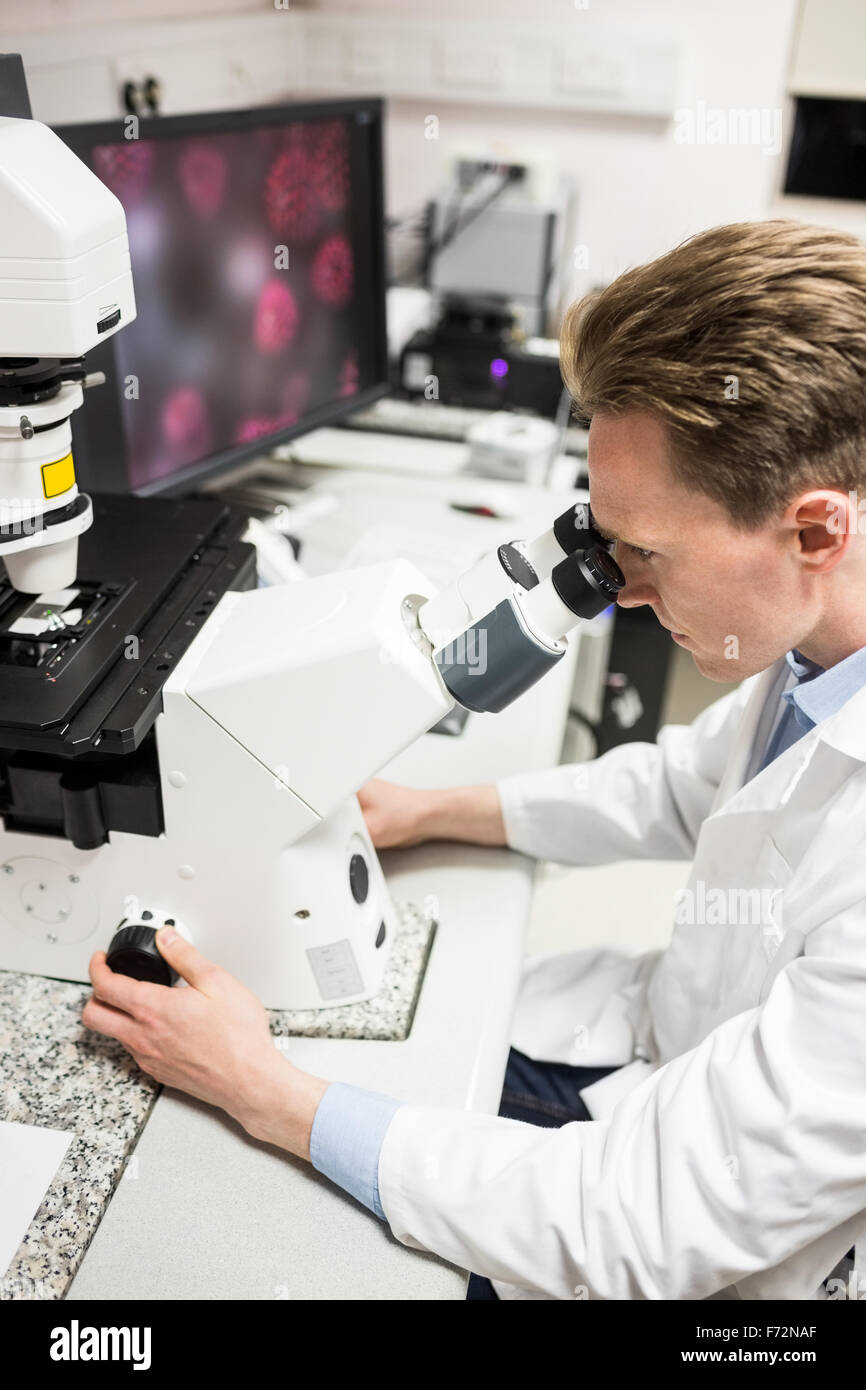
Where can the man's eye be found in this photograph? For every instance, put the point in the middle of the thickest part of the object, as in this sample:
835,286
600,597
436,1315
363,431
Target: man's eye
642,554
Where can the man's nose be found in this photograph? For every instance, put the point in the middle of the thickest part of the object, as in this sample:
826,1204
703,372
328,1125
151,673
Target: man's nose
636,590
635,595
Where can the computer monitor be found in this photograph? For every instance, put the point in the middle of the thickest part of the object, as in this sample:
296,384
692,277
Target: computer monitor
257,246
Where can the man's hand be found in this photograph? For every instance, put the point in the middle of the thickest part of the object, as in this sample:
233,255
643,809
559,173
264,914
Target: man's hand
395,815
211,1040
398,816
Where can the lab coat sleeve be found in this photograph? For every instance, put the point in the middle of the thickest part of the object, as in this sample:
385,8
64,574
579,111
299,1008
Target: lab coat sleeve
724,1162
638,801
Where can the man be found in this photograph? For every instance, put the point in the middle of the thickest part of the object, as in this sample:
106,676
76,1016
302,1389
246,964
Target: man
715,1144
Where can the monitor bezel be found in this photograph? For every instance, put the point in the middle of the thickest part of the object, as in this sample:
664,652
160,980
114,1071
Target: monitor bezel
81,139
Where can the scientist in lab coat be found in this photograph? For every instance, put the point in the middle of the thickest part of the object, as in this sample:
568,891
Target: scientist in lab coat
714,1144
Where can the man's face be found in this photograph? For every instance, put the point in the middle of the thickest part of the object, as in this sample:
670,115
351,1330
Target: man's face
737,600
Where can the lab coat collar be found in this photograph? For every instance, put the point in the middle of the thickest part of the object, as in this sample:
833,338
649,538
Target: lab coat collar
845,731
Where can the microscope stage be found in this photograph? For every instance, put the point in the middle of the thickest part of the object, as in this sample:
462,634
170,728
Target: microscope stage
86,670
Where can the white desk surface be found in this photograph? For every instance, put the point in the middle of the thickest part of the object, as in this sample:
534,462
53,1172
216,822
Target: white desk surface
206,1212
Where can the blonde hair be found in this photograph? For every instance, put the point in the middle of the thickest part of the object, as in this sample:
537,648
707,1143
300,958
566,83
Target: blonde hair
749,343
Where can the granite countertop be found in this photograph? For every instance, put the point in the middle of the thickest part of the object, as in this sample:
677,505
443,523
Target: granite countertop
58,1074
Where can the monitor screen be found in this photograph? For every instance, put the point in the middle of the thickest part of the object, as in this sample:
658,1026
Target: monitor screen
256,242
827,158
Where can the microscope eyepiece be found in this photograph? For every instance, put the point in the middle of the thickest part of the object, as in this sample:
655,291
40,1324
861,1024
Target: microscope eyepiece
588,581
576,530
604,570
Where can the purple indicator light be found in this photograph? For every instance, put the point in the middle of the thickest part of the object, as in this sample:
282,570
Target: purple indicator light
499,367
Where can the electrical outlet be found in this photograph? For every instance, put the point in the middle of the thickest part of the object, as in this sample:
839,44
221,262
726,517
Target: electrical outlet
469,171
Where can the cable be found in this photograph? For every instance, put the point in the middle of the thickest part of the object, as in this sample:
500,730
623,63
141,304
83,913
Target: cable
560,420
408,235
459,224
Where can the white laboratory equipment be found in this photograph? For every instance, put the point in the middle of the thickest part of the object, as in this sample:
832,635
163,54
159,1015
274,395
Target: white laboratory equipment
177,745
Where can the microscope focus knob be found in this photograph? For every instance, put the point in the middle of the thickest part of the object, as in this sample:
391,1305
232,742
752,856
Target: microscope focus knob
133,951
359,878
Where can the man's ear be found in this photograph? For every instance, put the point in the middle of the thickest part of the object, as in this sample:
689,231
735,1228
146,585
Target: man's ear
824,521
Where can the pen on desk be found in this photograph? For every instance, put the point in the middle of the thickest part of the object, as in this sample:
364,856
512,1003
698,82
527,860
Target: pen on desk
476,510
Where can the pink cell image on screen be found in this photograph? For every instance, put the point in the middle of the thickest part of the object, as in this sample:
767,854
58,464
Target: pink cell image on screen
330,166
349,375
276,317
125,169
259,425
254,428
203,176
296,393
275,139
333,272
185,423
290,197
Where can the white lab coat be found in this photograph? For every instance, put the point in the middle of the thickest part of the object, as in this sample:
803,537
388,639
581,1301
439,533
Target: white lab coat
728,1157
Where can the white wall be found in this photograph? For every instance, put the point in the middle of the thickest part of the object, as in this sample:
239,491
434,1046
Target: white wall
27,16
640,191
830,57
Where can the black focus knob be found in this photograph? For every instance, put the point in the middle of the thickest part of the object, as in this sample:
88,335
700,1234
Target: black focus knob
134,952
359,878
517,567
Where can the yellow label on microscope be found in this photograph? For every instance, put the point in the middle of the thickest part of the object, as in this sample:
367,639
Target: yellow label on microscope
58,477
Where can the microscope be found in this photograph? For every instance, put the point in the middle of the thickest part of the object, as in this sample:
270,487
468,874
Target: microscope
176,745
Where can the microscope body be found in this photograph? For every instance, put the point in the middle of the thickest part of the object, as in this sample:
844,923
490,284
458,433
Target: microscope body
285,702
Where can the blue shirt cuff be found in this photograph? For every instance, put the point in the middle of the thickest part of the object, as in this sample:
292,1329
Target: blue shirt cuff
346,1139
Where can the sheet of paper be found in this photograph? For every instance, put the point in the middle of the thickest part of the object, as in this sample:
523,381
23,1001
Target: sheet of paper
29,1158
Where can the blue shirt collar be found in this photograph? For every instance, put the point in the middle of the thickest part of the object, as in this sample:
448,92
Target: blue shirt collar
821,692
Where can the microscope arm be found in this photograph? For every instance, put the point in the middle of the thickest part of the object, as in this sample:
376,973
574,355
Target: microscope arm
323,682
